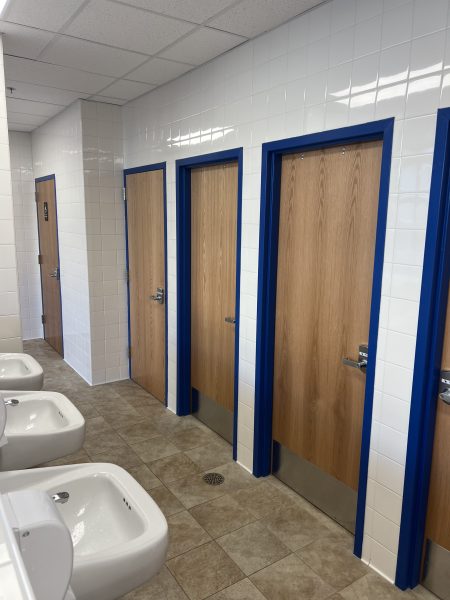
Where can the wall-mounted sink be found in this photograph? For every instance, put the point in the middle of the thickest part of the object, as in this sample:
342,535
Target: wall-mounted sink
20,372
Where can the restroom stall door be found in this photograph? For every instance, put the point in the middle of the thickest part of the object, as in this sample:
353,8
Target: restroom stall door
49,263
328,218
214,191
436,570
146,269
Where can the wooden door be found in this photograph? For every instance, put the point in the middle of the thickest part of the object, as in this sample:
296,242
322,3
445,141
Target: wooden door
328,218
214,192
438,513
49,263
145,216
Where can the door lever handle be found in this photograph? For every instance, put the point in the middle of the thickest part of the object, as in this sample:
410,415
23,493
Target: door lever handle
444,386
445,395
55,273
231,320
361,363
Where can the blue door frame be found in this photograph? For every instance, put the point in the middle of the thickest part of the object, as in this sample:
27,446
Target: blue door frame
39,180
133,171
427,365
272,153
183,181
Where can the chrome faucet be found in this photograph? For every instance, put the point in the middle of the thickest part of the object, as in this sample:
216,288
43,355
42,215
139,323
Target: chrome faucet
11,402
60,497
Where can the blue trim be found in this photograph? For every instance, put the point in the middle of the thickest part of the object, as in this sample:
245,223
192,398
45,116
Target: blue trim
430,334
132,171
36,181
183,183
272,153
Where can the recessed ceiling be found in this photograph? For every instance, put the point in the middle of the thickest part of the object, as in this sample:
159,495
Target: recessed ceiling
116,50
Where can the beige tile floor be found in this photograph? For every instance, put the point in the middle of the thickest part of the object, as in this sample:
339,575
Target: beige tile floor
248,539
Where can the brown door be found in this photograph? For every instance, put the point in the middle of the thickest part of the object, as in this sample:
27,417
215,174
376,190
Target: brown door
437,530
214,192
328,218
145,215
49,261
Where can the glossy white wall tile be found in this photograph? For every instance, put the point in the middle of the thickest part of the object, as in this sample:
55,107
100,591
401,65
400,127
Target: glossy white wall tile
10,326
57,149
27,243
343,63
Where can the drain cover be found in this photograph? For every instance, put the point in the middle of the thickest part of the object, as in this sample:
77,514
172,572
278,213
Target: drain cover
213,478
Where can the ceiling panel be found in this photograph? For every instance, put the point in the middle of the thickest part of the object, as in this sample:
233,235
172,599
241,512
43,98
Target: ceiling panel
31,71
23,41
26,119
196,11
158,71
31,107
252,17
126,27
14,126
80,54
41,93
108,99
43,14
202,45
126,90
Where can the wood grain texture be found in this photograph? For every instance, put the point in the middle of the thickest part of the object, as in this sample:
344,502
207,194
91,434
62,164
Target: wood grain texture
145,216
438,513
213,280
48,248
328,217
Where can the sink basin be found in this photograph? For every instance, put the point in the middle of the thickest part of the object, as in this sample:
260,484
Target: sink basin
20,372
119,534
40,426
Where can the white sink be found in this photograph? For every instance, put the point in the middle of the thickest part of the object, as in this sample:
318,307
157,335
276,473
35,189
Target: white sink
20,372
119,534
40,426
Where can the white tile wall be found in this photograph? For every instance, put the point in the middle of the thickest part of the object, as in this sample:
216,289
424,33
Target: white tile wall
105,227
10,330
27,243
57,149
345,62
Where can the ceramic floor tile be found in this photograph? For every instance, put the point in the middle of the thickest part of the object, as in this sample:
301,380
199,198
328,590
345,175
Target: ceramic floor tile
145,477
212,454
296,527
222,516
334,562
243,590
166,501
253,547
374,587
137,432
291,579
204,571
174,467
162,587
192,438
124,457
184,534
263,499
157,447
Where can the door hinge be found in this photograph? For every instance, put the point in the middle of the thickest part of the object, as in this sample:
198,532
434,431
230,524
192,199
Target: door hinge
128,351
43,319
124,194
36,196
127,276
39,259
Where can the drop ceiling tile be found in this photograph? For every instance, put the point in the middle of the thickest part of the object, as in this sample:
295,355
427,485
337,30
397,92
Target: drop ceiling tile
12,126
108,100
158,71
34,120
126,90
196,11
32,108
28,91
23,41
202,45
31,71
126,27
43,14
88,56
252,17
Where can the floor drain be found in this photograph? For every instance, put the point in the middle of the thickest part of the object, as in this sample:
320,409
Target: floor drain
213,478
